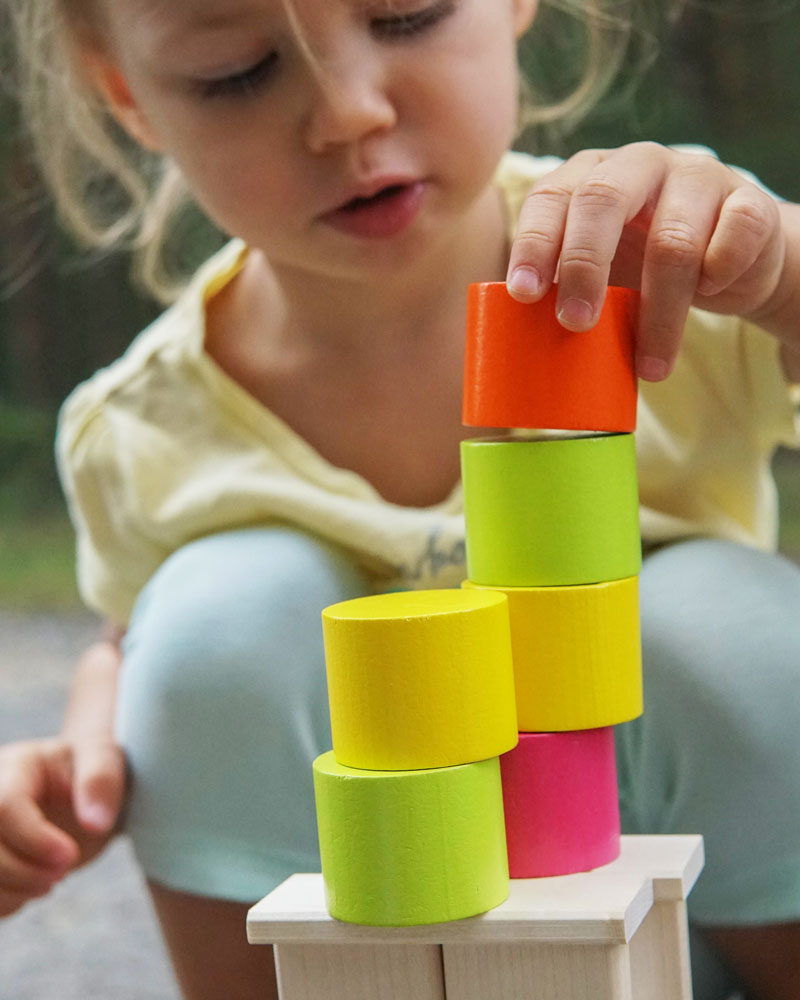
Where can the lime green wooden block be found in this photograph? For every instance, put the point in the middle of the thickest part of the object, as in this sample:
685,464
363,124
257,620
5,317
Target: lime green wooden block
403,848
552,511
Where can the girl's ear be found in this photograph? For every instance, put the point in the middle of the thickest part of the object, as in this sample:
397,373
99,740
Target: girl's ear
524,13
107,79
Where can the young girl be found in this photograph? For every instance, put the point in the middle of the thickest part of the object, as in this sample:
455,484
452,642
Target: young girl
286,436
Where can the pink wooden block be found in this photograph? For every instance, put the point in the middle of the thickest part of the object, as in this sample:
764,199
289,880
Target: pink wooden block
561,802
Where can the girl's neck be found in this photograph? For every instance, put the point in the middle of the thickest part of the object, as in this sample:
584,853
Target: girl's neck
370,376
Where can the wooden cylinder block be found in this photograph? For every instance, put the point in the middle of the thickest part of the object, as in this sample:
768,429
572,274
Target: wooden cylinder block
523,369
420,679
577,655
551,512
412,847
561,803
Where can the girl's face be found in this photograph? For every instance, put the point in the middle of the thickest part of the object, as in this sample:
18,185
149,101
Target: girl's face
332,134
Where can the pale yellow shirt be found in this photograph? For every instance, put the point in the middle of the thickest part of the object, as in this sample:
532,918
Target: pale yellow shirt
163,447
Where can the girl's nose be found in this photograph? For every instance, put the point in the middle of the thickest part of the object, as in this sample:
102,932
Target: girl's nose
348,106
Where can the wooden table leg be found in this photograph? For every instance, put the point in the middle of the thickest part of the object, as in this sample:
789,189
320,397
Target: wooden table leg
359,972
529,970
660,963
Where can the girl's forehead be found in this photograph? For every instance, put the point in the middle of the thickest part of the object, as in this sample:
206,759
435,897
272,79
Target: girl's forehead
161,24
200,13
214,12
158,25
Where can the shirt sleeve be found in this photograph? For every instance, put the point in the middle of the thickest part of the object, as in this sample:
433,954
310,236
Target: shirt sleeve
115,556
706,435
774,402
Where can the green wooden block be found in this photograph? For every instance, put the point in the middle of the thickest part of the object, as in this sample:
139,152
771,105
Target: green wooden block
551,511
404,848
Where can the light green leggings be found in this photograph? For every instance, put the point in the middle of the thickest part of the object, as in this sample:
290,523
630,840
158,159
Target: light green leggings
223,708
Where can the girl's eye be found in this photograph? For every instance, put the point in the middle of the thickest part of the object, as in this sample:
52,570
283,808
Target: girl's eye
247,83
415,22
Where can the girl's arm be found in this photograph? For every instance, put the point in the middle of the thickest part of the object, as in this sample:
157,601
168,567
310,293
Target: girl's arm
60,798
89,729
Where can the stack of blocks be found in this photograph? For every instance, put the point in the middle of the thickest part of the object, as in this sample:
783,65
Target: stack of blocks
473,729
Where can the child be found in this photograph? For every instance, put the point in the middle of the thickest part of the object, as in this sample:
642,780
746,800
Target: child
286,437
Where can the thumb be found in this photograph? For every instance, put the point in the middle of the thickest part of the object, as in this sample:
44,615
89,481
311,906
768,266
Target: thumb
98,786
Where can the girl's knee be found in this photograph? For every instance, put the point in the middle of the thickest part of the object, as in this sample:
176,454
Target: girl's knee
721,616
252,566
721,727
231,594
225,648
223,706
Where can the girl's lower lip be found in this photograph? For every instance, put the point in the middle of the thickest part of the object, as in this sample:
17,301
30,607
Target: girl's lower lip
380,217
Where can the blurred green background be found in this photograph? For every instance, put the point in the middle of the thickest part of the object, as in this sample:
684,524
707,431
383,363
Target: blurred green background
725,74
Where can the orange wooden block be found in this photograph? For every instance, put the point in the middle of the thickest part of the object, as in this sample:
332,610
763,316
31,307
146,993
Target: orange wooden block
524,370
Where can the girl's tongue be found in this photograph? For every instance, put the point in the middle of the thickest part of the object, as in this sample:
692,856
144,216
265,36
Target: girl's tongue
385,214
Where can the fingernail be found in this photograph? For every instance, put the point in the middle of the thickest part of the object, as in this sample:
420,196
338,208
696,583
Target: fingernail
576,312
97,816
524,281
651,369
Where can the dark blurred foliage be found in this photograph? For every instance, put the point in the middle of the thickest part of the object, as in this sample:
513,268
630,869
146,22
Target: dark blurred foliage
725,74
721,73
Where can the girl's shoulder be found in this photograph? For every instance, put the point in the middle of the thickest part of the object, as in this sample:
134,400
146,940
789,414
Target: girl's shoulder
517,167
516,174
168,348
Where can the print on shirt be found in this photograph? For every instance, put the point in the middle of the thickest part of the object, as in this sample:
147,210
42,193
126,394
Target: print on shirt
440,557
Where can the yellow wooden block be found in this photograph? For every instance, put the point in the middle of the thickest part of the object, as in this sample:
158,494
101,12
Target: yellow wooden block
421,679
577,654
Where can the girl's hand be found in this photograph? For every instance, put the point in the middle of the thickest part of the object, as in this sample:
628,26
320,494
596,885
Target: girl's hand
681,227
58,806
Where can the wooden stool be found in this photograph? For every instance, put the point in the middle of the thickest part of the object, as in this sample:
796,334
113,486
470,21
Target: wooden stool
616,933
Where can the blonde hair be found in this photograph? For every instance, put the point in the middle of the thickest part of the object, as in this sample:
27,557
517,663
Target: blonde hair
571,61
111,193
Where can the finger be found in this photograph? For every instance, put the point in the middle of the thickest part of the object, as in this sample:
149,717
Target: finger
613,194
20,875
99,785
748,220
540,230
27,832
11,901
28,776
679,235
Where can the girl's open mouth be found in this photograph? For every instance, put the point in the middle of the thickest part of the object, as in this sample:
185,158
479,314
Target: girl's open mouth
380,216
